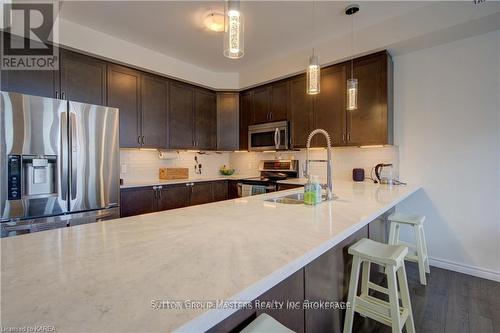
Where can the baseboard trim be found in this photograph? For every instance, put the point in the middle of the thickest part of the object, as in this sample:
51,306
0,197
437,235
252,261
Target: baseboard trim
466,269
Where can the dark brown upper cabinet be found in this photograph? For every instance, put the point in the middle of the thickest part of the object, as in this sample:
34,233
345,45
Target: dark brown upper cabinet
228,121
181,122
43,83
372,122
124,90
246,112
329,106
261,105
83,78
205,115
301,112
154,122
279,100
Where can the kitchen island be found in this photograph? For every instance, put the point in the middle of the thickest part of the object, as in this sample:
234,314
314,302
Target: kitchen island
135,274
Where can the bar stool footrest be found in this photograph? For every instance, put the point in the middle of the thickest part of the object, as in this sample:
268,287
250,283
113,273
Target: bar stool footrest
378,309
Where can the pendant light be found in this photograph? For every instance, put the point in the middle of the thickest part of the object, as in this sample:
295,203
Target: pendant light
233,30
352,83
313,73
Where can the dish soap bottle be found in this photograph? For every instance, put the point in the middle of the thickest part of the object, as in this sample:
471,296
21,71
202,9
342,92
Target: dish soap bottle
309,193
317,189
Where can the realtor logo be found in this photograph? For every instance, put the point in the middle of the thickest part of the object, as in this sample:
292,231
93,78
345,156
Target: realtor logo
30,33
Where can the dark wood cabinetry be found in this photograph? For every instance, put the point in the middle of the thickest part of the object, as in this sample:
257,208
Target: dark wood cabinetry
205,119
137,200
154,122
201,193
279,100
301,112
228,121
173,196
220,189
181,104
124,93
246,112
83,78
260,105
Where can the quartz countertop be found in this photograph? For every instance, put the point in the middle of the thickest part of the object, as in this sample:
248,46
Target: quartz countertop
154,182
105,276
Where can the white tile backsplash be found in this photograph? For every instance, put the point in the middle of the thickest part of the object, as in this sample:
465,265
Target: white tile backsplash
344,160
144,164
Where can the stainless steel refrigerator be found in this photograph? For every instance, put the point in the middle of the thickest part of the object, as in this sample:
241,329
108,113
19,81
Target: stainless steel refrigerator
59,163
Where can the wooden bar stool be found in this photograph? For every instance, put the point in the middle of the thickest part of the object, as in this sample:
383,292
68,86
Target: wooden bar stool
391,257
264,323
418,251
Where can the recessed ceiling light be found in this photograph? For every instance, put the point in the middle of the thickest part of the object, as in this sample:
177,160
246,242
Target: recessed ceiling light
214,21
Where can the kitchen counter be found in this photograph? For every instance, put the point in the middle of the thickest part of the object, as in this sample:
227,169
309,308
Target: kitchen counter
105,276
154,182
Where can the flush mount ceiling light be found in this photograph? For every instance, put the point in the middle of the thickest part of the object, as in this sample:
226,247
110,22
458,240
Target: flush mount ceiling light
233,30
313,73
214,21
352,83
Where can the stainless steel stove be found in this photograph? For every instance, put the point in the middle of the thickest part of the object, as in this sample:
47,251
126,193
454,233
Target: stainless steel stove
272,171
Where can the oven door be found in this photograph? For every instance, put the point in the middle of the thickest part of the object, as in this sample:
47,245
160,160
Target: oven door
269,136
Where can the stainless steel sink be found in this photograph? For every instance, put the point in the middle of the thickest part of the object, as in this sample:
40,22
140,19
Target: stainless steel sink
291,199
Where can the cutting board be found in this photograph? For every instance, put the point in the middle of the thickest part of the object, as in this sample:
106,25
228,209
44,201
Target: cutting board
174,173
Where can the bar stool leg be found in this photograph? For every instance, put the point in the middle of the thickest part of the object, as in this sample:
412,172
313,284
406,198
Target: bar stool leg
420,255
426,258
365,278
353,289
392,234
405,298
393,298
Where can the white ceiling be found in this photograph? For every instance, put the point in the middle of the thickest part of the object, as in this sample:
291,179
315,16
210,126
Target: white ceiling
272,28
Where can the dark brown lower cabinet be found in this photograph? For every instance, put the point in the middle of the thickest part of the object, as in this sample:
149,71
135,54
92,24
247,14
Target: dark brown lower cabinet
232,189
201,193
220,189
282,187
173,196
137,200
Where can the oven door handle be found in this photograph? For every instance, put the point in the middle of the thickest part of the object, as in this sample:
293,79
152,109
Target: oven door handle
276,138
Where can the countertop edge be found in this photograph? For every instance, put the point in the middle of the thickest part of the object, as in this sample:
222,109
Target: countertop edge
147,183
210,318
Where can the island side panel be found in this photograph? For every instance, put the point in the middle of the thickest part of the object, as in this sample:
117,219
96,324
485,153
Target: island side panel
327,279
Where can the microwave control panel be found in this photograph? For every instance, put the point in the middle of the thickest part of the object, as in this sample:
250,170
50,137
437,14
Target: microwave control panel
14,177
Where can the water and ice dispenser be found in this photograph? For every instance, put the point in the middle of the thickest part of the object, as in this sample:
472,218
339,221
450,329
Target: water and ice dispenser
31,176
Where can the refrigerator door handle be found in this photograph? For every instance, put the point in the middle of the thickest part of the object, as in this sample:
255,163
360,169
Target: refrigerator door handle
63,163
74,150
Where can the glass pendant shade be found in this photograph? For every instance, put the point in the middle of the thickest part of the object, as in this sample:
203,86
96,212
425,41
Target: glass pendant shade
233,31
352,94
313,75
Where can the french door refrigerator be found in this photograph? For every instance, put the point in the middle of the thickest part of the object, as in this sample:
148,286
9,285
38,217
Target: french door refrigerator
59,163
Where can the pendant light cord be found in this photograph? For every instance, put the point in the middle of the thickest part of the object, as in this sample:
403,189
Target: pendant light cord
312,21
352,42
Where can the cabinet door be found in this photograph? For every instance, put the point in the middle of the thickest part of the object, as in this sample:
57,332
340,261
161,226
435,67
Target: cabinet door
370,123
205,119
83,78
181,109
173,196
201,193
154,112
232,189
301,111
329,109
32,82
135,201
246,111
220,189
124,94
279,101
228,121
260,105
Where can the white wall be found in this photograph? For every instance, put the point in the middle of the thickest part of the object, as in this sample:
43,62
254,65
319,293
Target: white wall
447,125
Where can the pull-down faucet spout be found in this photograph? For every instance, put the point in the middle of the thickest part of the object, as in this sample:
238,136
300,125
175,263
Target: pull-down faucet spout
329,164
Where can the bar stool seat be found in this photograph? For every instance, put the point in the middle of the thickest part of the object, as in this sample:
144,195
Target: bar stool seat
378,252
418,251
264,323
391,313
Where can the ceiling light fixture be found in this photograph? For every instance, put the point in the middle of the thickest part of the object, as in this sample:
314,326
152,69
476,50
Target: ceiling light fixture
233,30
214,21
352,83
313,73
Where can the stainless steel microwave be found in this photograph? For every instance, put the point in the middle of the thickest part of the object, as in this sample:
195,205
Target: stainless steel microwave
269,136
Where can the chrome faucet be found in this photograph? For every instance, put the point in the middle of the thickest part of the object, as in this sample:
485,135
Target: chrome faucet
329,163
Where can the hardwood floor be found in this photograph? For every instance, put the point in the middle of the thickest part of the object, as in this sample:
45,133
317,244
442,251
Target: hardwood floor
451,303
